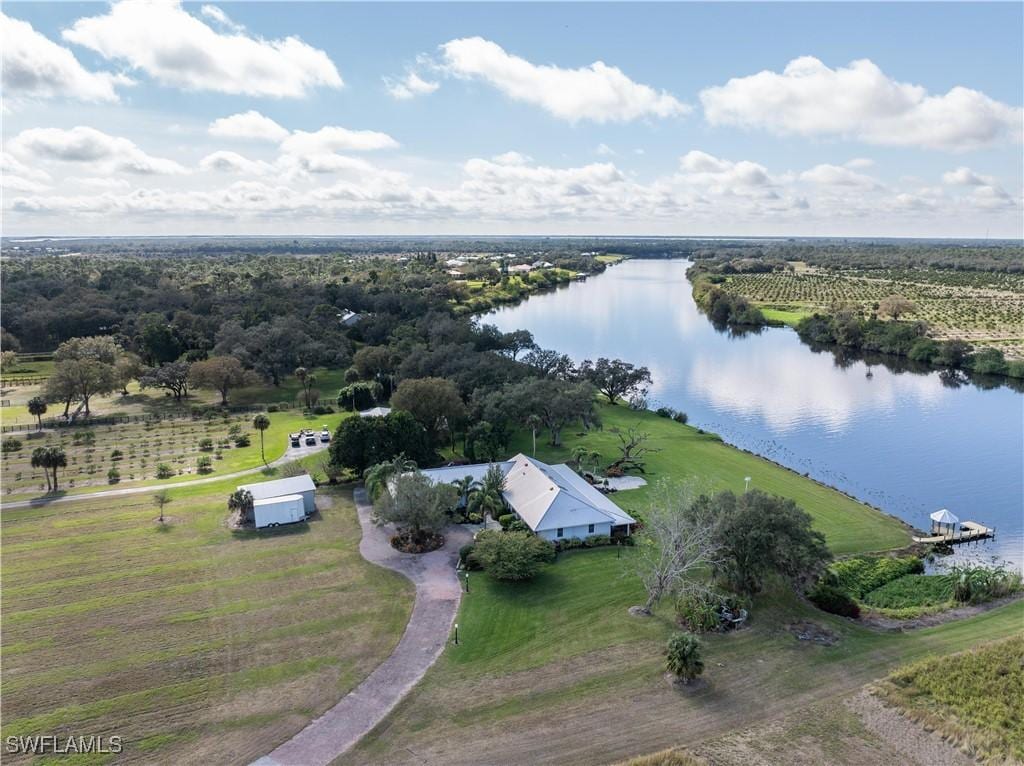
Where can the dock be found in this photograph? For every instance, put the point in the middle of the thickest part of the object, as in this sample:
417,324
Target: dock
969,532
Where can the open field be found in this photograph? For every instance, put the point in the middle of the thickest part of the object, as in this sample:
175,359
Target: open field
980,307
848,526
560,657
975,699
193,642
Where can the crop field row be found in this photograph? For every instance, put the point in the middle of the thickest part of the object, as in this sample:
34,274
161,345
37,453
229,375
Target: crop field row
189,640
170,449
976,307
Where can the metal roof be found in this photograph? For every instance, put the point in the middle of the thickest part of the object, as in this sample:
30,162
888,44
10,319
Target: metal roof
290,486
276,499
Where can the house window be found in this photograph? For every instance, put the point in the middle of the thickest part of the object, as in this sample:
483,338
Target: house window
590,529
559,532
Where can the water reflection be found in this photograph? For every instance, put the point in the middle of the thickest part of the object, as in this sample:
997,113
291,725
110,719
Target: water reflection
904,437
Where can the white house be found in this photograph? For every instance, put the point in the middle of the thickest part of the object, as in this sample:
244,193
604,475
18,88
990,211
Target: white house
553,500
279,488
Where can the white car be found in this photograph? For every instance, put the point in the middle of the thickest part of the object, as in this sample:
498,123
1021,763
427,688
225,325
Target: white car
325,435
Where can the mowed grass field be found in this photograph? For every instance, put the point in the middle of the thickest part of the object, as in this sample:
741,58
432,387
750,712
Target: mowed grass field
849,526
192,642
555,671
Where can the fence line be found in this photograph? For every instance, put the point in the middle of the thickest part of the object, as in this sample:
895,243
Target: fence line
12,382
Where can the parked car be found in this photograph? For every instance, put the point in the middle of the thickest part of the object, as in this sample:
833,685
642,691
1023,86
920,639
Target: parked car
325,435
310,439
295,439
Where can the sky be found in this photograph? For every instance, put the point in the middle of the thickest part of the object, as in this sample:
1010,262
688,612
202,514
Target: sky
804,119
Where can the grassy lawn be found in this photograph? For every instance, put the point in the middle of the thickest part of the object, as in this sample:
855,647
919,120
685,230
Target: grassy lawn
849,526
975,699
192,642
175,443
560,658
787,316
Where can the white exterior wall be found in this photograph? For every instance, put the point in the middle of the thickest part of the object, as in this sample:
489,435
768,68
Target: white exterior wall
309,501
604,528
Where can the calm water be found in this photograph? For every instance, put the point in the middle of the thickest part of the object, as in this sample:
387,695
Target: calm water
903,442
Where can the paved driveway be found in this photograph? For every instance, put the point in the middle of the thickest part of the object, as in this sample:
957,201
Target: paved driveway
437,602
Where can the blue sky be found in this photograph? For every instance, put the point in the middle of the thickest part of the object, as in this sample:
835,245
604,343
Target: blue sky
108,113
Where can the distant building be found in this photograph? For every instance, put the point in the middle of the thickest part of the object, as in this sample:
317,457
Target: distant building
552,500
375,412
543,265
521,268
349,318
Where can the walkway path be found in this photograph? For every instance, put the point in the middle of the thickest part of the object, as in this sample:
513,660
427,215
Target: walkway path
290,454
437,601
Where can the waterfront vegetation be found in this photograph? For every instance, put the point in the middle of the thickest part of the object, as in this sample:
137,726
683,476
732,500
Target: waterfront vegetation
974,699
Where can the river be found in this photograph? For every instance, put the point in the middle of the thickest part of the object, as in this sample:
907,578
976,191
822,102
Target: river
902,441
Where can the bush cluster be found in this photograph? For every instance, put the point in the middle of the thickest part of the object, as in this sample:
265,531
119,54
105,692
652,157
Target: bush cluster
832,599
859,575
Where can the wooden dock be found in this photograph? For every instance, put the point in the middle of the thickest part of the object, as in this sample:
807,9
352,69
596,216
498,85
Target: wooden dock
969,532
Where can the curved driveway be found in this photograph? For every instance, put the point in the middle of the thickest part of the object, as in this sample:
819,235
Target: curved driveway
437,601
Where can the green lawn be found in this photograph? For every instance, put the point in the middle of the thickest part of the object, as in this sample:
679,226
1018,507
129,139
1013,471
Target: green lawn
561,658
327,381
849,526
787,316
193,642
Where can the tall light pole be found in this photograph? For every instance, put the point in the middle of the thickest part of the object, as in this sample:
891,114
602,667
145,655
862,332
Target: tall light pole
746,484
456,634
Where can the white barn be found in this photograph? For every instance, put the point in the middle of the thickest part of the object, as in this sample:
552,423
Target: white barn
552,500
294,485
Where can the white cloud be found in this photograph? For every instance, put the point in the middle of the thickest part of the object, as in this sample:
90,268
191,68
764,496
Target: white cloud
702,168
604,150
88,145
249,124
598,92
410,86
860,101
964,176
336,139
837,175
858,163
36,67
118,184
12,166
218,15
511,158
232,162
179,50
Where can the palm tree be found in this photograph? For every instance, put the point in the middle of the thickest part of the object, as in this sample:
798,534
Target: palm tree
261,423
466,486
241,501
160,499
56,459
376,477
534,422
40,459
684,658
37,407
488,498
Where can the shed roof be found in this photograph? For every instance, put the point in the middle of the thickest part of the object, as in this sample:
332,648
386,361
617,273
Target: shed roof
278,487
277,499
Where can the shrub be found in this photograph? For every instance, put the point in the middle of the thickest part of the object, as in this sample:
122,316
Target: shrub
681,417
831,599
10,444
164,471
113,476
323,409
466,558
912,590
506,520
699,612
683,657
272,408
663,412
977,584
475,518
206,445
116,455
242,440
512,555
204,464
859,575
596,541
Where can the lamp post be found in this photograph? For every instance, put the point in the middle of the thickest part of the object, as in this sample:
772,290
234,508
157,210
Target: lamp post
467,581
746,484
456,634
